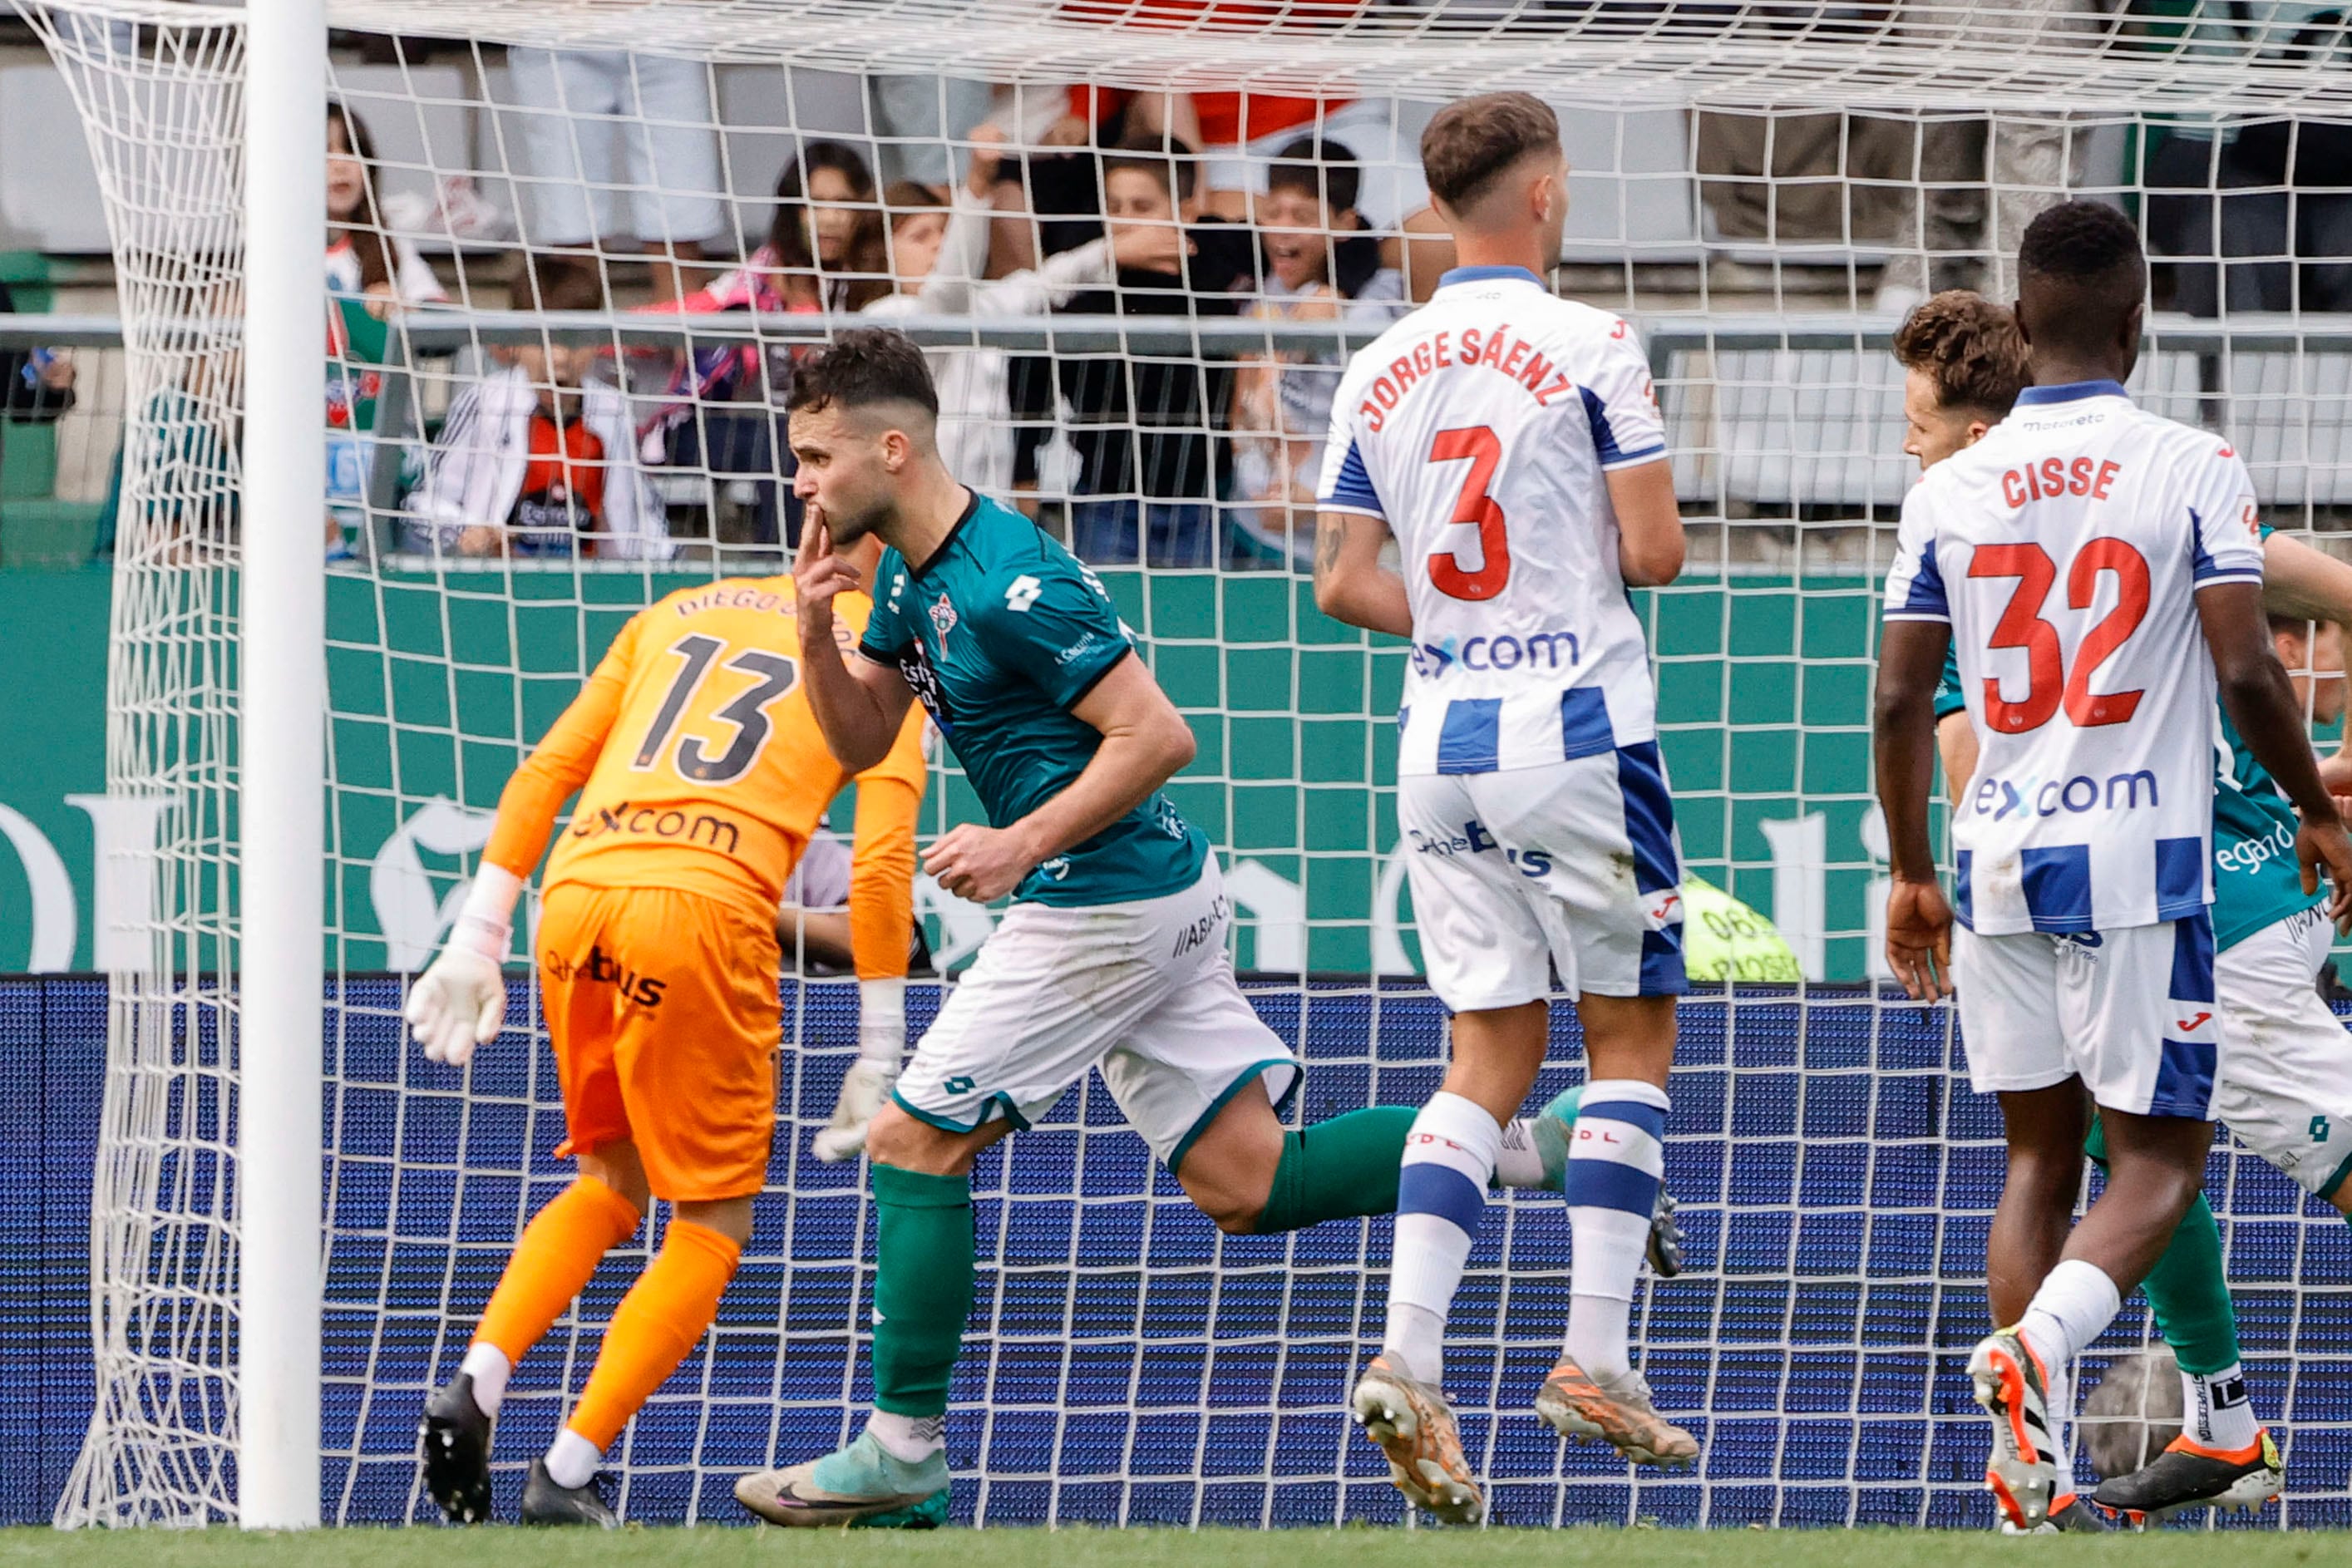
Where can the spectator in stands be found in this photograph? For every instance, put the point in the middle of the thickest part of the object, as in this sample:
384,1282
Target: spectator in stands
2260,214
1147,457
812,922
577,103
36,385
941,255
185,440
917,122
536,459
719,410
1317,263
370,271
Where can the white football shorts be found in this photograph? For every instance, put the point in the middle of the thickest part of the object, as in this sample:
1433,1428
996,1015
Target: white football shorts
2288,1089
1144,989
1573,864
2131,1012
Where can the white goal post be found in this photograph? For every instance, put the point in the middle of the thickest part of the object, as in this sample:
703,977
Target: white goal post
295,1219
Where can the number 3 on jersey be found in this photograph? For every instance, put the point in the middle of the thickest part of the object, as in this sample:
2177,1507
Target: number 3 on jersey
1484,450
2021,626
772,675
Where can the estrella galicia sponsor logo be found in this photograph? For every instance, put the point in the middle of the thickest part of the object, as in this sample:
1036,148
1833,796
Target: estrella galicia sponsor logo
659,822
1538,651
943,616
915,665
600,968
2253,854
1999,798
1201,931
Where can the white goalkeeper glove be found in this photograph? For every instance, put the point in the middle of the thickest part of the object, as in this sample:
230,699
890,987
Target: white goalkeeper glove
881,1041
863,1092
461,1001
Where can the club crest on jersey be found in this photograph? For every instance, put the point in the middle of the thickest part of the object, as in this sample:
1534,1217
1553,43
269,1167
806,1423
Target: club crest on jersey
943,616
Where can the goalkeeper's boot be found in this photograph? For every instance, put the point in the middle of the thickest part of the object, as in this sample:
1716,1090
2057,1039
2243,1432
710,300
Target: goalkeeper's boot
1552,1129
864,1485
2189,1475
1619,1413
2013,1386
1415,1426
455,1439
544,1502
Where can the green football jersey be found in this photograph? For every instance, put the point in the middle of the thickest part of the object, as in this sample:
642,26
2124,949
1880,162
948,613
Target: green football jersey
1000,634
2256,880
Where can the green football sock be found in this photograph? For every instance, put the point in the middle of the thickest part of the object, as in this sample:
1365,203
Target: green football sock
2189,1289
922,1287
1340,1169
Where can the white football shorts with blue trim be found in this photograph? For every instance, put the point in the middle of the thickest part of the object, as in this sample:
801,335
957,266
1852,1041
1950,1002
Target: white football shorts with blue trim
1573,865
1144,989
2130,1011
2287,1092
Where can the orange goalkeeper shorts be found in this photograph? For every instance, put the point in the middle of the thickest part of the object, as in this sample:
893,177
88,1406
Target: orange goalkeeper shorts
662,1008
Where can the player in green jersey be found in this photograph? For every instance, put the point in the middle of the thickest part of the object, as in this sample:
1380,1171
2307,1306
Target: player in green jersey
1114,953
2289,1094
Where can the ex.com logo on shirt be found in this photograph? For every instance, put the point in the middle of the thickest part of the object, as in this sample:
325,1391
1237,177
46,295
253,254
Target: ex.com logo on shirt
1999,798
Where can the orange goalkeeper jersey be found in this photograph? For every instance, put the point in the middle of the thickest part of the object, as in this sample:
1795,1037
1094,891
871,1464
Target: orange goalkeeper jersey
701,767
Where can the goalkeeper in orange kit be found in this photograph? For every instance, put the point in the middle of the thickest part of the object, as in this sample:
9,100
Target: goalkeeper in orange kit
702,775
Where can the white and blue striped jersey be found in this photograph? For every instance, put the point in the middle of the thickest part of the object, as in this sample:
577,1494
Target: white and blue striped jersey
2066,550
1481,428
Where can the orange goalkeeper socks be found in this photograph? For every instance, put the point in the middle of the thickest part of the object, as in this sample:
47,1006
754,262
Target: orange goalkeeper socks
552,1264
658,1324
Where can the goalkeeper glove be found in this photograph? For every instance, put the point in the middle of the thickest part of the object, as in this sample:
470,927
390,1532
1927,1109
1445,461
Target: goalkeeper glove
863,1092
461,1001
881,1040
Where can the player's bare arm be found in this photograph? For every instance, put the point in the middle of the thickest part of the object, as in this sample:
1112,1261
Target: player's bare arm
1146,742
1918,919
1650,541
860,705
2261,702
1351,583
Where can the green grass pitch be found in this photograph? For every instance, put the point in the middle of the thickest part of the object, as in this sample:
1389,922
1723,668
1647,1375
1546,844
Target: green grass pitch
1365,1548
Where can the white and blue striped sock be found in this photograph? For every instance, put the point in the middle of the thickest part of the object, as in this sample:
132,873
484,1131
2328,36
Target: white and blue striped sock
1615,1163
1441,1194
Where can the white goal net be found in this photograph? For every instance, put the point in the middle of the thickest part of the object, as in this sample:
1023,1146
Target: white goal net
621,219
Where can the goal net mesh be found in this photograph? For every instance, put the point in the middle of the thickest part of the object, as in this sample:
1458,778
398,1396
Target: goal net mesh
1760,188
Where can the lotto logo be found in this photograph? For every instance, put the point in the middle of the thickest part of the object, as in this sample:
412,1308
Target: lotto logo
960,1084
1023,594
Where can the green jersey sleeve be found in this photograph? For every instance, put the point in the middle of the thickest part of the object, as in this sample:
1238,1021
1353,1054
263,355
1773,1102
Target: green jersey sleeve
886,638
1948,697
1057,625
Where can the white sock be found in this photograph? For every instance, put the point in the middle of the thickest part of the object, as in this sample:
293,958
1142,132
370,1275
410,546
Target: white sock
1517,1163
488,1367
2215,1411
1441,1195
2073,1307
882,1021
1615,1163
571,1460
912,1438
2060,1394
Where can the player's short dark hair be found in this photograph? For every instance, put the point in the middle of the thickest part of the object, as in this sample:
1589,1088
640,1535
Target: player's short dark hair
2295,625
1320,168
861,367
2082,243
1471,141
1970,347
1165,156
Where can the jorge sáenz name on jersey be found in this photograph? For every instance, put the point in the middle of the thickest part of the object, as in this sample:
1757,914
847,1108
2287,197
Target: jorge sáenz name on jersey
1999,798
1536,650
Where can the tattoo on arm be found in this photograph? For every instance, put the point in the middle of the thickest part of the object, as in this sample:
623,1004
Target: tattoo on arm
1327,535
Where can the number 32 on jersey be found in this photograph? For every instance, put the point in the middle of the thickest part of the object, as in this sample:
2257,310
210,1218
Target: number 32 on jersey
2049,684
